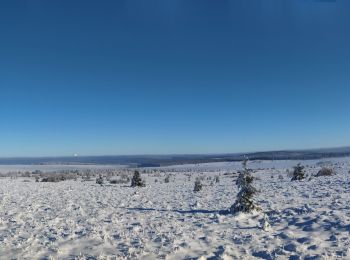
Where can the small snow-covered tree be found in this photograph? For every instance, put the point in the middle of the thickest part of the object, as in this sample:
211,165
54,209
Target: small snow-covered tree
136,180
245,202
298,173
99,180
217,179
197,185
167,179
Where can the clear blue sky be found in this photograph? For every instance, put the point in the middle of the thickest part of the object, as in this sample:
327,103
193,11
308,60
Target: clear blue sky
173,76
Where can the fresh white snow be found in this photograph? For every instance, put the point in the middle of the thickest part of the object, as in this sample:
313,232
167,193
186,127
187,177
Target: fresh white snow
54,167
83,220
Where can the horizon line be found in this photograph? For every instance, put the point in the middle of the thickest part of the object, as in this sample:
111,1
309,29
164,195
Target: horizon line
174,154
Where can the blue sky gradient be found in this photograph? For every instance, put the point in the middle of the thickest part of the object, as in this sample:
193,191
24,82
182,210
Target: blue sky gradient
159,77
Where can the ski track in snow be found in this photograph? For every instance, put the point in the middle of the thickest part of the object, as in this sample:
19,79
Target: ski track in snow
76,220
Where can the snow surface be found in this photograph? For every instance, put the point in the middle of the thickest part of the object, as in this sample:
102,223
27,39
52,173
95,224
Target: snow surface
77,220
54,167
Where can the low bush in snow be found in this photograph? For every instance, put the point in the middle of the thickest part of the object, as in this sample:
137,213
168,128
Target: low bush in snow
197,185
119,181
53,179
325,171
99,180
217,179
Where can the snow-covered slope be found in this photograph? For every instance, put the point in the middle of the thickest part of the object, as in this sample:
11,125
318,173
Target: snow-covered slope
75,219
54,167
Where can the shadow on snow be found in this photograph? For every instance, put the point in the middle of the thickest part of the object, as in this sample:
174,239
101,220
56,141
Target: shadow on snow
191,211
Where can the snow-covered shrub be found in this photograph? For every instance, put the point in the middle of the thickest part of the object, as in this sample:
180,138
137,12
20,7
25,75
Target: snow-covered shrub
123,179
99,180
26,174
245,198
136,180
217,179
50,179
201,178
113,181
325,171
118,181
86,176
197,185
298,173
37,172
53,178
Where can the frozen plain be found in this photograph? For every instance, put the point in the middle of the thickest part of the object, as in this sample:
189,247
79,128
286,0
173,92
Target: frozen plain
79,219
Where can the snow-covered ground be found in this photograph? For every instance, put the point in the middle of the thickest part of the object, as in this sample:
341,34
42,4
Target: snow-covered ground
75,219
54,167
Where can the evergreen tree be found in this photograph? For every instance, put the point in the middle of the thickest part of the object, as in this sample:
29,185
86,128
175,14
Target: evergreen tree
298,173
167,179
99,180
244,202
137,181
197,185
217,180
